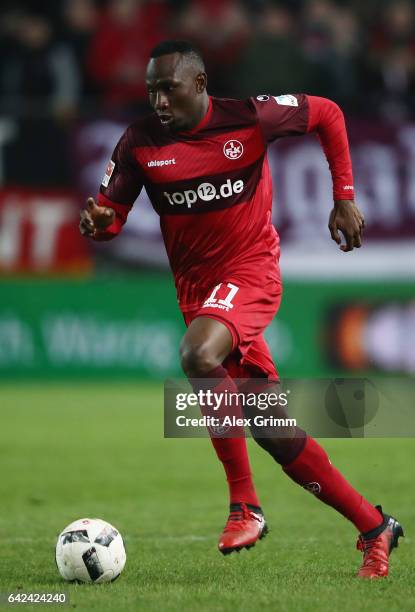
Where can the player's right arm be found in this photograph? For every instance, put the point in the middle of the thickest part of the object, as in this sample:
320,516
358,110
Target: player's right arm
95,219
122,183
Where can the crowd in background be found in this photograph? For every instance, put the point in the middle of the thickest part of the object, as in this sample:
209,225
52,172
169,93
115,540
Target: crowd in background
77,58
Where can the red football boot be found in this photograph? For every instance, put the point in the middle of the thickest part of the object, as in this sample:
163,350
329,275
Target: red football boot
246,524
377,545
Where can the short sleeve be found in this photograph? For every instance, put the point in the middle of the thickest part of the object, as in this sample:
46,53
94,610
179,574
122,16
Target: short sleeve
122,182
285,115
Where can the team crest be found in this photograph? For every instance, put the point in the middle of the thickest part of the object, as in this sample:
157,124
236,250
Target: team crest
313,487
233,149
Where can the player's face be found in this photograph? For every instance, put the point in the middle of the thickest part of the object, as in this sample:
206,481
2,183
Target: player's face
175,90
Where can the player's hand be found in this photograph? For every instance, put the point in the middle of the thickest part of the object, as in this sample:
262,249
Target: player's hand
95,218
347,219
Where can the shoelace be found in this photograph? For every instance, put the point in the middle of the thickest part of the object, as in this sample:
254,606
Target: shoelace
238,516
373,551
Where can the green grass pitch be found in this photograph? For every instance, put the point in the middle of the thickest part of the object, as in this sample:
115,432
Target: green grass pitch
69,451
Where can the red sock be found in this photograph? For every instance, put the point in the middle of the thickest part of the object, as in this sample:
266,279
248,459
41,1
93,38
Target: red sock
232,452
313,471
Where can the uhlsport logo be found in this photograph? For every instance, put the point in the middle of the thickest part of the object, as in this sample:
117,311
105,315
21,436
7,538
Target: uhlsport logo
161,162
205,192
233,149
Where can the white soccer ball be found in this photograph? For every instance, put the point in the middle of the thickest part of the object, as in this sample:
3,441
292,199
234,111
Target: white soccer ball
90,550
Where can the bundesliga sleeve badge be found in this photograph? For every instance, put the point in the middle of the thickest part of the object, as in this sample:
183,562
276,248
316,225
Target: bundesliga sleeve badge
283,100
108,173
286,100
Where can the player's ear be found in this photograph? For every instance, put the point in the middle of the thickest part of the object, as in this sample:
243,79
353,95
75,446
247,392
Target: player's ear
201,82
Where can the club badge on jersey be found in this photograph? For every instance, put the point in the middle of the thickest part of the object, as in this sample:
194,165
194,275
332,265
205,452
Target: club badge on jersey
233,149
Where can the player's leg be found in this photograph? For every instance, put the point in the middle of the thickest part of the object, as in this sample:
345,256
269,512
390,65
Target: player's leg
204,347
313,470
305,462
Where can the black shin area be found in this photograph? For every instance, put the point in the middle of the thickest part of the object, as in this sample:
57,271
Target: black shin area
283,443
284,449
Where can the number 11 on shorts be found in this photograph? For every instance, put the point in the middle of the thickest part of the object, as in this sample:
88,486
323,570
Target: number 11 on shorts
227,301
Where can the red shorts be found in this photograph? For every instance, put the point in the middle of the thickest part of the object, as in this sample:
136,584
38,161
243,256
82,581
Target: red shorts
246,311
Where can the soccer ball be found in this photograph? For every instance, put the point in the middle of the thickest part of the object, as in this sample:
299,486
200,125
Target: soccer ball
90,550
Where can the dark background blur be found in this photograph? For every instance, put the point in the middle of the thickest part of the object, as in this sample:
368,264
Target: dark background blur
76,58
71,79
67,60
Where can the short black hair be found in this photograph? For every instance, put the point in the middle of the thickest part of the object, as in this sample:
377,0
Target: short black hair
184,47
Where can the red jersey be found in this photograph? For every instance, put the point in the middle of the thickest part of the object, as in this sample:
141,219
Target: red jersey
212,187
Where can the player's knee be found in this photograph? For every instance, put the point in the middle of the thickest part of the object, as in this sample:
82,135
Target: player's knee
197,361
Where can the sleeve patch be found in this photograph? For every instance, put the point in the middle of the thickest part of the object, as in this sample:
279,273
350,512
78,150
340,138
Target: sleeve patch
286,100
108,173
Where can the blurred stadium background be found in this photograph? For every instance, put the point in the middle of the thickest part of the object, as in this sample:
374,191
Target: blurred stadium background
71,79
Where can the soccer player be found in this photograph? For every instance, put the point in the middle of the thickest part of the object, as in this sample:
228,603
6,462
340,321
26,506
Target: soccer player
203,163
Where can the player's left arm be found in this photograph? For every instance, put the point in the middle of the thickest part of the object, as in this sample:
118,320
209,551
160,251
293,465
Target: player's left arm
327,120
293,115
